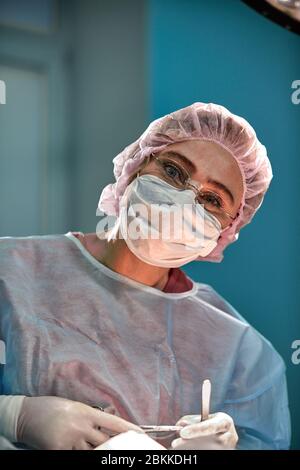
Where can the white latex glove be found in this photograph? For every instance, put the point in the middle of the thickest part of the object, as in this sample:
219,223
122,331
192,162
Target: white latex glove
217,432
57,423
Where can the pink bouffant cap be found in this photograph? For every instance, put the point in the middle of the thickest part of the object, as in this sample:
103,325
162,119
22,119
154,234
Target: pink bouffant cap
207,121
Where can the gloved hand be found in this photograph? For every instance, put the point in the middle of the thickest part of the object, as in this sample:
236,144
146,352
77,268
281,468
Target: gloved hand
216,433
57,423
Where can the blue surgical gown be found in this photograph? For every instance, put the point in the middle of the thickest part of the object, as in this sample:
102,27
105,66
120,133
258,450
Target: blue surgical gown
76,329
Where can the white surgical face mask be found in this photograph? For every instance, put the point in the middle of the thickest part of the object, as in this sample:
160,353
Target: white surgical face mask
145,209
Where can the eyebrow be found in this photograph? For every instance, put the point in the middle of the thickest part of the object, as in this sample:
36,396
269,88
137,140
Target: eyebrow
192,169
186,162
223,188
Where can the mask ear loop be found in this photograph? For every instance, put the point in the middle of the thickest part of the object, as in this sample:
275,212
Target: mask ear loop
232,222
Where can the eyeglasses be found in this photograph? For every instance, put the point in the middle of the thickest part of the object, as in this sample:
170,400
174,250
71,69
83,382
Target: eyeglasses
175,174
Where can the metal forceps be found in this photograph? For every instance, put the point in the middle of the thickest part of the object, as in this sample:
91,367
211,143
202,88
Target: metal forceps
205,406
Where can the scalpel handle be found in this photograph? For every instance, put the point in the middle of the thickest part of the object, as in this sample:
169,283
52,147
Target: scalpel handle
205,399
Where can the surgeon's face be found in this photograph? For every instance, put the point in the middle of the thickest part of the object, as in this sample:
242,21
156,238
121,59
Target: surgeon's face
212,166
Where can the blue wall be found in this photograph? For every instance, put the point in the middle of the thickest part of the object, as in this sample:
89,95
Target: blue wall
226,53
74,70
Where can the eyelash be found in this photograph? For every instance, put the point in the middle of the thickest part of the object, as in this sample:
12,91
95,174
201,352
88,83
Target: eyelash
219,204
168,164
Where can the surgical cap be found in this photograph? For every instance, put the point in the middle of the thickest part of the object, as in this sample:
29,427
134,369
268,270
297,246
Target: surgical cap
199,121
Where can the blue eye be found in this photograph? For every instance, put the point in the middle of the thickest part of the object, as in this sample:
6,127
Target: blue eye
173,172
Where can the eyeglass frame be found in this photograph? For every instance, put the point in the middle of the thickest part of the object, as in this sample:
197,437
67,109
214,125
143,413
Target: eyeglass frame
189,184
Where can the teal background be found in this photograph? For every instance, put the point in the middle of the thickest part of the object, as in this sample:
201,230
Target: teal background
224,52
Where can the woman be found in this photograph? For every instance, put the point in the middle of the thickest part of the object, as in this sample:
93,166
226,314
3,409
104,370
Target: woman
109,319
